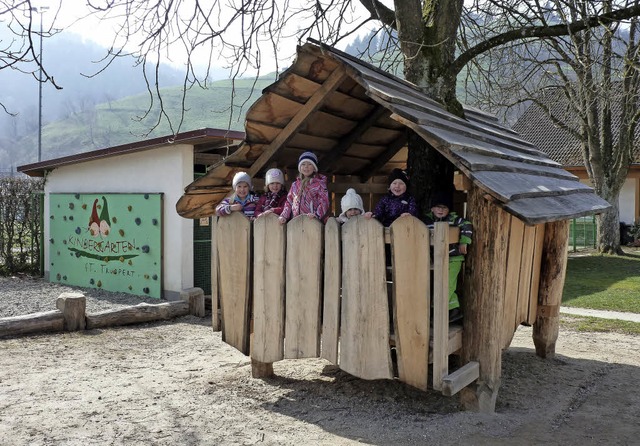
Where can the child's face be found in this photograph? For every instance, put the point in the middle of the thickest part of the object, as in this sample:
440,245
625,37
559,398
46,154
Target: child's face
440,210
275,187
306,168
397,187
242,189
352,212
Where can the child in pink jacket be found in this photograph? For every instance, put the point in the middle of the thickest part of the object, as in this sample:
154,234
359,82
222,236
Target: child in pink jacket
308,194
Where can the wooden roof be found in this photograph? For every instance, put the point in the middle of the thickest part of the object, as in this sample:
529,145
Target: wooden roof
559,143
205,141
355,118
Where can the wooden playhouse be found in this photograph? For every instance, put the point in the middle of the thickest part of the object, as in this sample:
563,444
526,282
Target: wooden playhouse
309,290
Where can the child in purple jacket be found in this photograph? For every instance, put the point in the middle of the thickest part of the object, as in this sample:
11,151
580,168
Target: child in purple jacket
397,203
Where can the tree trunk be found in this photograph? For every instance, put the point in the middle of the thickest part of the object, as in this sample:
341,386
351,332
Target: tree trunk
608,231
428,170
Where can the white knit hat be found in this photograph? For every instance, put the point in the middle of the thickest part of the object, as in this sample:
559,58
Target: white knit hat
241,177
274,176
351,200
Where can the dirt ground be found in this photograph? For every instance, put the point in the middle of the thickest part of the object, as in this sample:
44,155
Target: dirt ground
177,383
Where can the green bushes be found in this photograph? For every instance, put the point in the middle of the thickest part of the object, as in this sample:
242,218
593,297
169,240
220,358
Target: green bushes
20,225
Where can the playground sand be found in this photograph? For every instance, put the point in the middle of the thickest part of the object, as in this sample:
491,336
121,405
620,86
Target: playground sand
177,383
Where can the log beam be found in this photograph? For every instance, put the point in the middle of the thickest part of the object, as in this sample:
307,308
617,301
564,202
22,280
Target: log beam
483,300
32,323
552,274
137,314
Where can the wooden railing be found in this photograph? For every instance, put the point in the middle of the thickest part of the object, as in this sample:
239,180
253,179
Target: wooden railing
313,290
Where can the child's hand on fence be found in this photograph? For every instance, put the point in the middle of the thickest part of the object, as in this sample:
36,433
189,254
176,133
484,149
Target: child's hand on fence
462,247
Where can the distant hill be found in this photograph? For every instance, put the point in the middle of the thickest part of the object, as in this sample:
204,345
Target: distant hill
118,122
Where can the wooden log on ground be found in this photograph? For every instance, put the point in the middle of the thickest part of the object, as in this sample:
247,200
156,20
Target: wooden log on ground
411,266
332,285
195,298
552,274
267,341
484,300
73,307
32,323
137,314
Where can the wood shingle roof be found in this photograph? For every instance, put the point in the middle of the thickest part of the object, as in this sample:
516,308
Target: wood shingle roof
354,117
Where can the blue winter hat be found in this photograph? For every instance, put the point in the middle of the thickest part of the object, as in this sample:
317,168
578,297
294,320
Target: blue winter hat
308,156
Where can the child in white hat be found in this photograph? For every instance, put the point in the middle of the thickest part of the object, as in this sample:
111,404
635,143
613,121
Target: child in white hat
275,195
351,205
308,194
243,199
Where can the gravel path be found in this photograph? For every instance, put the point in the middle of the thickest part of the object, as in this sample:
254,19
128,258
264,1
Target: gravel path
25,295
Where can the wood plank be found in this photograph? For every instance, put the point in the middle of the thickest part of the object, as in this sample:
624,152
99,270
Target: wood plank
564,207
331,83
233,240
535,274
475,161
332,285
440,303
524,282
512,280
268,289
364,324
303,300
507,186
461,378
215,271
411,296
383,158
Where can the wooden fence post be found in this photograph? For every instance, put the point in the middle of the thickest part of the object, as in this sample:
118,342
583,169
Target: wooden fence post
552,274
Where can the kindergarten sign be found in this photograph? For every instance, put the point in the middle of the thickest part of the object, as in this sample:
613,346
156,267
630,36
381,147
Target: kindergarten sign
107,241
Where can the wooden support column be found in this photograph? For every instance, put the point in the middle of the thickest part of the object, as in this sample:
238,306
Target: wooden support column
483,300
552,274
73,306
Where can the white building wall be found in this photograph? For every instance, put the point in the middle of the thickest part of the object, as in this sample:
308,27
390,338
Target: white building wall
627,201
167,170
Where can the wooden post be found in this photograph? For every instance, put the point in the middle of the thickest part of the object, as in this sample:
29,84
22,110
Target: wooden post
73,306
483,300
215,294
195,297
552,274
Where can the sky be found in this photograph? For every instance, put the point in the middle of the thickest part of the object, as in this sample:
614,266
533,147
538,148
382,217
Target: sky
72,17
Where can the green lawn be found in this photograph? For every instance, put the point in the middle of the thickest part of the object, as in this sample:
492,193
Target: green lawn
603,282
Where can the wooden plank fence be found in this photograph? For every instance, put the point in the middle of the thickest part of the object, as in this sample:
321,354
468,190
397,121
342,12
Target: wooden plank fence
322,291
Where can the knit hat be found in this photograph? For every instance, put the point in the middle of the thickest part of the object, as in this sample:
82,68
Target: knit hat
274,176
241,177
308,156
441,198
351,201
399,174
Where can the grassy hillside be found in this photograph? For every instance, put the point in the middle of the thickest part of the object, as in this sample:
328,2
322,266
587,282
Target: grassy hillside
126,120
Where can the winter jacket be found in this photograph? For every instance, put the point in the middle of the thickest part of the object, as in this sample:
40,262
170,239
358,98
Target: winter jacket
313,200
391,207
271,201
248,205
466,229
